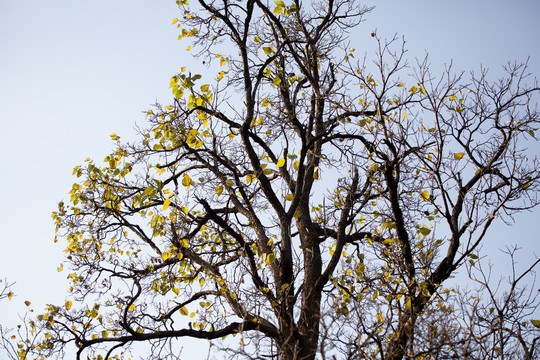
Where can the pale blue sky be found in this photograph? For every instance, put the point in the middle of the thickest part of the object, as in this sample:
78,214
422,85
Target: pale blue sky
72,72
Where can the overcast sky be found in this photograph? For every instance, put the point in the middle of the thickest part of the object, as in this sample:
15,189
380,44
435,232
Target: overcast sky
72,72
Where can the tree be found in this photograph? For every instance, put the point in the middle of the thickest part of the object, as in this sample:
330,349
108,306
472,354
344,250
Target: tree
320,212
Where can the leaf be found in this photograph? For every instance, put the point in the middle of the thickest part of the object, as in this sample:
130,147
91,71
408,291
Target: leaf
536,323
68,305
250,178
175,20
131,307
268,50
452,98
27,303
257,39
186,180
289,197
525,186
166,204
459,156
219,189
205,87
425,195
184,311
531,132
413,89
280,163
270,258
424,231
166,255
276,81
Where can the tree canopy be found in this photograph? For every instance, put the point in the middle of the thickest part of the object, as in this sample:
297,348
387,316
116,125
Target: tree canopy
307,203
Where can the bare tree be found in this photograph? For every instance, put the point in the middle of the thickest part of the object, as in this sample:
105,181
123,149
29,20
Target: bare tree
303,201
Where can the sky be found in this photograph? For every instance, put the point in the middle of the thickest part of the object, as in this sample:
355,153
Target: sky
72,72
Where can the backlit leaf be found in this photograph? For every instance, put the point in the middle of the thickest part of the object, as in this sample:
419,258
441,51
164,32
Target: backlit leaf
425,195
280,163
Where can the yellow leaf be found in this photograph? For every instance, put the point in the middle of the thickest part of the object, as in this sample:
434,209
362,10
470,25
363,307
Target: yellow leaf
425,195
270,258
413,89
250,178
166,204
316,173
422,90
166,255
276,81
459,156
219,189
525,186
27,303
268,50
205,87
401,85
184,311
451,98
175,21
131,307
229,182
257,39
10,295
60,268
289,197
280,163
186,181
68,305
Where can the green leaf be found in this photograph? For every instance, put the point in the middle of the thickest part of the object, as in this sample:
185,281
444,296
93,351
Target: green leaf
536,323
424,231
205,87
